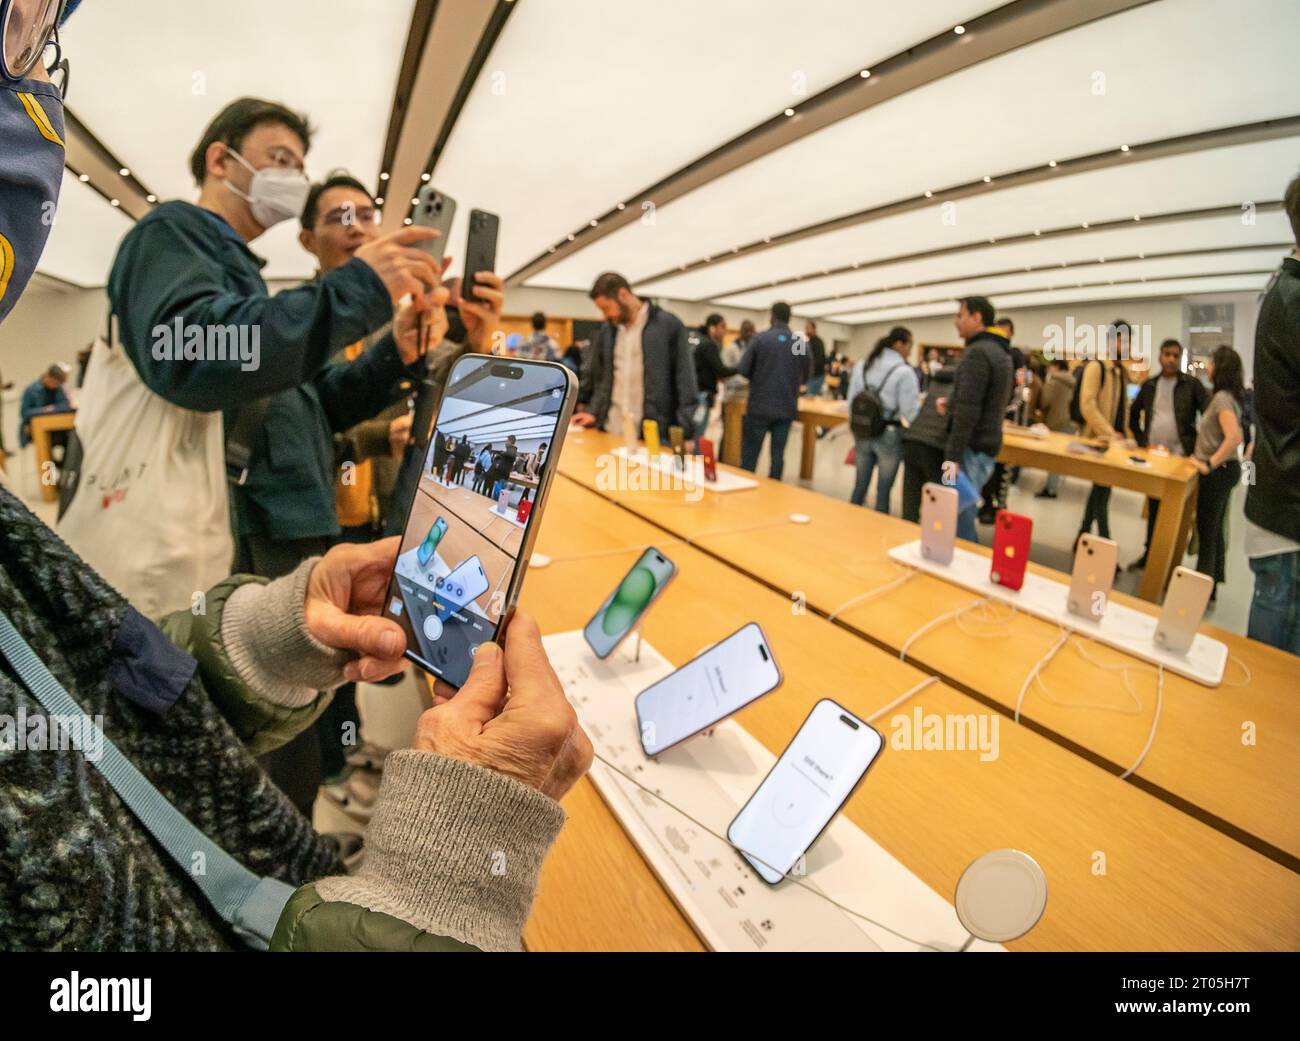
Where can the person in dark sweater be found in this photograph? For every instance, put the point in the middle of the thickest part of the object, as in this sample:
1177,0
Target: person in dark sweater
777,365
1273,497
817,358
924,443
1164,413
981,389
706,349
640,367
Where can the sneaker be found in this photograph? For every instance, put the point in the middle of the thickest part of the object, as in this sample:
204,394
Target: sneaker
1045,494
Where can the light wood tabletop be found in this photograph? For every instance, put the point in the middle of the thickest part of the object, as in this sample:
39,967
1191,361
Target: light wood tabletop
1171,479
1125,870
1228,755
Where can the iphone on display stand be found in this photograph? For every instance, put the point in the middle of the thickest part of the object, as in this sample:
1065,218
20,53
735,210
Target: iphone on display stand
677,438
625,608
710,459
454,585
809,784
706,690
650,431
938,522
1011,537
1185,604
1094,571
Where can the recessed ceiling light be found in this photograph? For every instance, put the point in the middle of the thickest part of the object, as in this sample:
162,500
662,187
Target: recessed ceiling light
407,220
1137,216
959,29
424,177
151,197
993,240
1037,232
987,179
379,200
767,238
84,178
1142,256
865,74
929,194
1085,224
124,172
1051,162
789,112
593,223
552,249
1123,148
1101,260
622,206
114,202
383,176
570,236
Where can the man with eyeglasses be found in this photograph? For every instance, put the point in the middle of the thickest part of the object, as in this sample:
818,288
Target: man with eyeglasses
189,266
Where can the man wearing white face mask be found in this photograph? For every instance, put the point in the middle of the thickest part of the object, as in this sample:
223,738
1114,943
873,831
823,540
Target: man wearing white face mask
203,337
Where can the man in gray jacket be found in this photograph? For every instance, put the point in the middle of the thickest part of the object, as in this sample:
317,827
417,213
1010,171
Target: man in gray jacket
641,364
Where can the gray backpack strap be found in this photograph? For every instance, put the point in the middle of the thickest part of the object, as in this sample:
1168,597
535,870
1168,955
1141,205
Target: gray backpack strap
251,904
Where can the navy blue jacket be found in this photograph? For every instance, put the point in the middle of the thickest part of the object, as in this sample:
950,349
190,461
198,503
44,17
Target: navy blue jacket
777,364
180,261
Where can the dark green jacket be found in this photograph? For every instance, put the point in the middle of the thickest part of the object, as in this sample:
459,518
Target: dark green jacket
183,262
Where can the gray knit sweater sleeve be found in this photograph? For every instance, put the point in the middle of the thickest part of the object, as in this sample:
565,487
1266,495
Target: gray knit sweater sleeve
264,630
453,849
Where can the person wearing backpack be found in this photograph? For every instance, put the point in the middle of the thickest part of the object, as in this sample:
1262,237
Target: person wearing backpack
1100,407
883,396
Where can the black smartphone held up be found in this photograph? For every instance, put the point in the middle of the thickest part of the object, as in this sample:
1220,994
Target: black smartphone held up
433,209
480,249
465,544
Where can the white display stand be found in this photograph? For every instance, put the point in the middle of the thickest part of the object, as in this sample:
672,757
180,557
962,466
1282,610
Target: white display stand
710,778
688,478
1121,627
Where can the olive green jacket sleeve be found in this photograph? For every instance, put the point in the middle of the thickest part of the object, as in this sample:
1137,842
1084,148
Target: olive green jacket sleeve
260,666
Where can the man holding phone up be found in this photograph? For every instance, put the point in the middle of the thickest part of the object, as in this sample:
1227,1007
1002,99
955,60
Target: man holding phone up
188,267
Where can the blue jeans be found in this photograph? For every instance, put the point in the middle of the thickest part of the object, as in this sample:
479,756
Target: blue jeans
813,388
976,466
1275,607
752,432
887,451
701,414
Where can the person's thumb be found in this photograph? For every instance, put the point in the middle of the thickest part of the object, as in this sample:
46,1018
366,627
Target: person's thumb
480,698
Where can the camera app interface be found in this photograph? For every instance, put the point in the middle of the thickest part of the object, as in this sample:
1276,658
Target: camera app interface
722,680
805,789
487,455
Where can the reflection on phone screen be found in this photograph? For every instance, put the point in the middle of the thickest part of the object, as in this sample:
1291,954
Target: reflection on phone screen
484,465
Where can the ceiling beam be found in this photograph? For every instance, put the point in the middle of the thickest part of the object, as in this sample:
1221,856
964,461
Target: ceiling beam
445,72
1249,133
998,32
92,161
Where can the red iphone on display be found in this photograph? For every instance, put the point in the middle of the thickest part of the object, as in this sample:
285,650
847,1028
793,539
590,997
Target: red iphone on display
1011,533
710,460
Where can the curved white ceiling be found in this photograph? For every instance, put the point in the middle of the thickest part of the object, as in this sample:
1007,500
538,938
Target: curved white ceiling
1170,68
583,103
1127,240
85,235
149,75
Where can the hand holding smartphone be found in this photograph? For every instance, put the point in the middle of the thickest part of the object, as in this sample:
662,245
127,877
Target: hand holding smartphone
460,567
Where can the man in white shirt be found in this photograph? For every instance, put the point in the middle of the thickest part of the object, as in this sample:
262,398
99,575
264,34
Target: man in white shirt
641,365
